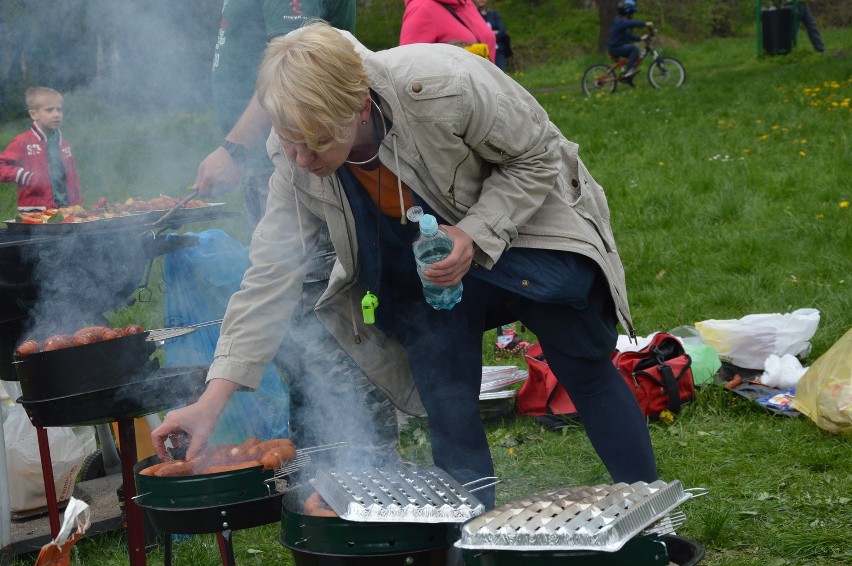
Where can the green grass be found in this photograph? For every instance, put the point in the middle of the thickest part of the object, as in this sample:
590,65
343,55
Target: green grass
727,199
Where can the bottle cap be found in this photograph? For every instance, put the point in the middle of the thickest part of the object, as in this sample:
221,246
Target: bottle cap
428,225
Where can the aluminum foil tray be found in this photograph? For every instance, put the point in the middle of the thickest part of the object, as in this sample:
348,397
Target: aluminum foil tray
599,518
498,377
404,494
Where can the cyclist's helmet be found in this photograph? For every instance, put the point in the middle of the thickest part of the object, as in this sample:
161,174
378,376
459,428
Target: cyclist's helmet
627,7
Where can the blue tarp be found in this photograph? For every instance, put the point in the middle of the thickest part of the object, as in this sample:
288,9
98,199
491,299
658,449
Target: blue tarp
199,282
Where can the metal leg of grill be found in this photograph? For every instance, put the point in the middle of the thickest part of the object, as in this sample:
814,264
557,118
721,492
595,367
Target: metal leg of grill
133,513
167,549
49,485
226,548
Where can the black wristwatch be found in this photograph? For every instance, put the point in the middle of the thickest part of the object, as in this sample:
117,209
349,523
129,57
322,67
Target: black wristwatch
237,150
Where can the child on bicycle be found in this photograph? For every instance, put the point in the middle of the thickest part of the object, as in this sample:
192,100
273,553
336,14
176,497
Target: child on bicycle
620,43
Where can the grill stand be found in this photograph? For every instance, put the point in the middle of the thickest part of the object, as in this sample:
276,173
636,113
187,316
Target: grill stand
133,514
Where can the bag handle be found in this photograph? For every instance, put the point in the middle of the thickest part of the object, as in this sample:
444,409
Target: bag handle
671,387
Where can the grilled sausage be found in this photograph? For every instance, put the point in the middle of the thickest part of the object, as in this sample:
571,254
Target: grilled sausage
27,347
132,329
265,446
174,468
231,467
95,332
82,338
152,470
58,342
111,334
315,505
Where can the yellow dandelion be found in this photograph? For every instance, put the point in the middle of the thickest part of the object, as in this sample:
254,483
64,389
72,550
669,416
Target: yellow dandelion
511,450
758,121
844,204
775,126
804,142
662,164
667,417
820,216
802,153
746,151
764,137
784,130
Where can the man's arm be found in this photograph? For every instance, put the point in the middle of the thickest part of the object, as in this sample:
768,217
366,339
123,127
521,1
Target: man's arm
220,171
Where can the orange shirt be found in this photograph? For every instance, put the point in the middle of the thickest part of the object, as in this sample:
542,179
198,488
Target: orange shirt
389,202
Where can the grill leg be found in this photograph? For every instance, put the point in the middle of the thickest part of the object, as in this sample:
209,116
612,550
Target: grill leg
49,482
135,526
167,550
226,548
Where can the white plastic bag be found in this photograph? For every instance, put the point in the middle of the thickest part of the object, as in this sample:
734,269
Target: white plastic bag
748,342
26,483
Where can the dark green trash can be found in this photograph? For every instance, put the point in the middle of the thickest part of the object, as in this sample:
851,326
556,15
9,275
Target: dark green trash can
778,30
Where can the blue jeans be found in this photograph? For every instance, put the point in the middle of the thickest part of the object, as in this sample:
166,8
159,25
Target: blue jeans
444,348
630,51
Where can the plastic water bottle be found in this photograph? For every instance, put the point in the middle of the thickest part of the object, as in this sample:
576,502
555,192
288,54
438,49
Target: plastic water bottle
433,245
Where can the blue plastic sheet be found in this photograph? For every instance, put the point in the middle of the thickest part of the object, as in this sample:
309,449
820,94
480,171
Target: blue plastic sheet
199,282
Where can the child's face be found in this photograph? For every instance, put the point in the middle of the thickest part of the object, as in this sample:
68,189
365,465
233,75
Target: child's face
48,114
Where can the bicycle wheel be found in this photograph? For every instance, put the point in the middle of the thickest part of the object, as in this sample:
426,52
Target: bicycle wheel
598,78
666,72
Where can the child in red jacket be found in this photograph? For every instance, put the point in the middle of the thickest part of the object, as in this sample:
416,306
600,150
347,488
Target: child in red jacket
39,160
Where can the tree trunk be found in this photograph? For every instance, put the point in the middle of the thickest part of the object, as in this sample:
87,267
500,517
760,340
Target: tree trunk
606,12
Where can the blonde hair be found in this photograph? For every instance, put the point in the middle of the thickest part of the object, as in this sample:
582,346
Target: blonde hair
34,95
312,82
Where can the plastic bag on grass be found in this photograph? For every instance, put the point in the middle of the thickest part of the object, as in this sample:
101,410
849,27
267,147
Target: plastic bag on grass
26,482
58,551
825,391
747,342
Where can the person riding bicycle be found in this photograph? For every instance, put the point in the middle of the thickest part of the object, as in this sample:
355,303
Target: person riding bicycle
620,43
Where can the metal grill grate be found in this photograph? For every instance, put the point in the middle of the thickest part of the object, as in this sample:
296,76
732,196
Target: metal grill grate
413,495
601,518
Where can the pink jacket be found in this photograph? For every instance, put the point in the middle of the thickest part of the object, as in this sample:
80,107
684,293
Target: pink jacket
26,156
429,21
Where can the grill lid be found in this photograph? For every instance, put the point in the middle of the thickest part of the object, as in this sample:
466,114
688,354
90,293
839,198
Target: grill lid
405,494
599,518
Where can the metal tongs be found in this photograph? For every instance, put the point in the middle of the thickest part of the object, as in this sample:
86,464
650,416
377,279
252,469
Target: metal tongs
171,212
163,334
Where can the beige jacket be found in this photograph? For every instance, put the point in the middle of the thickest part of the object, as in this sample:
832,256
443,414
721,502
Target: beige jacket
478,149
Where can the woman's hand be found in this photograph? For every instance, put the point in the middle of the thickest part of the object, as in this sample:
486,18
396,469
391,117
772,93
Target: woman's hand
452,268
195,421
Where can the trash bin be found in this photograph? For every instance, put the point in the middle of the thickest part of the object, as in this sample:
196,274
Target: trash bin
778,30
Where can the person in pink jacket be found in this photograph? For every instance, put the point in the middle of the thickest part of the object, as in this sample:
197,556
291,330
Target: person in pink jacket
39,161
446,21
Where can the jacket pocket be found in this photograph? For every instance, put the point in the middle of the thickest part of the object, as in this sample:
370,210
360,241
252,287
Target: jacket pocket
516,130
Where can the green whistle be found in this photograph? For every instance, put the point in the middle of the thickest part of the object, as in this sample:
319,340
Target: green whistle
369,304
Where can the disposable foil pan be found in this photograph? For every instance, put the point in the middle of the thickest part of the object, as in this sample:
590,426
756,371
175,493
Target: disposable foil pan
501,378
405,494
599,518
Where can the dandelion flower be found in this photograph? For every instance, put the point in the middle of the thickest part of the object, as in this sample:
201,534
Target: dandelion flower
667,417
844,204
511,450
746,151
764,137
802,153
662,163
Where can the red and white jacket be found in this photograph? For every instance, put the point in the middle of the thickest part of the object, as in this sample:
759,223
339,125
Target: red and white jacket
26,159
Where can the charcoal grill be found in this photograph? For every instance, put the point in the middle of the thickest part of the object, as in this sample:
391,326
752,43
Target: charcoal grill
599,525
105,263
332,541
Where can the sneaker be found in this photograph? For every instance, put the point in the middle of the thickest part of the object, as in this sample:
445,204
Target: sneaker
629,72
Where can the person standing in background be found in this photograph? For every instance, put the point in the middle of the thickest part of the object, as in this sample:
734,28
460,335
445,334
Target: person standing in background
246,28
806,18
39,161
495,22
446,21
